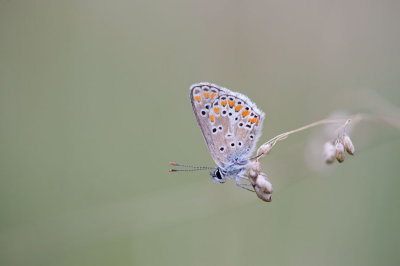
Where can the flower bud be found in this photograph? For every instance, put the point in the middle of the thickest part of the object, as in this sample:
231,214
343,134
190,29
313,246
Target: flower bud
329,152
339,153
348,145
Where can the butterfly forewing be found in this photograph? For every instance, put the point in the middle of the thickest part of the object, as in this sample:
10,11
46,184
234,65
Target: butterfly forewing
229,121
202,95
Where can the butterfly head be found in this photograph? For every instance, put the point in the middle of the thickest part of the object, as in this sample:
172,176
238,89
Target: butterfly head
218,175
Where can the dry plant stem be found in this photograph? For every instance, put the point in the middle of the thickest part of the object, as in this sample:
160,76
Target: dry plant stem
352,119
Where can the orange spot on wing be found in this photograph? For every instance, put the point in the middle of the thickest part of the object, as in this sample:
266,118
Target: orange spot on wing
197,98
231,103
212,119
252,120
238,107
213,95
216,110
245,113
257,120
223,103
206,95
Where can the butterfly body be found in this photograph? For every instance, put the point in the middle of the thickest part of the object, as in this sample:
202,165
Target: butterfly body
231,125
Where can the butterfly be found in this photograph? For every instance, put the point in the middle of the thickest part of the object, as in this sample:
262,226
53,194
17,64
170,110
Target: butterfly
231,125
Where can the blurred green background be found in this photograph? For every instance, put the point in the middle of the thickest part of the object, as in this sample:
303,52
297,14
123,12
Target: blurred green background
94,103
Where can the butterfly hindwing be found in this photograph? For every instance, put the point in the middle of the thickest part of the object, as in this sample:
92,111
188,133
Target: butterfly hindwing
231,124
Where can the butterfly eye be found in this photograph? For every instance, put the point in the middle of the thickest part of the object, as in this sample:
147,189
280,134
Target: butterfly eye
218,174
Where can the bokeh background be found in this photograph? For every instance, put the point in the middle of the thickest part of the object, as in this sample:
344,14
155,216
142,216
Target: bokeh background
94,103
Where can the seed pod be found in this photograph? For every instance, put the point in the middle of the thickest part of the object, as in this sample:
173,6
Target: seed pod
348,145
254,170
263,187
263,182
262,194
264,149
252,174
255,165
329,152
339,153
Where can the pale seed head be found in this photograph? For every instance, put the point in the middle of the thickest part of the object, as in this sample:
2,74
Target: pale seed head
339,151
263,182
254,170
263,187
252,174
255,165
262,195
264,149
348,145
329,152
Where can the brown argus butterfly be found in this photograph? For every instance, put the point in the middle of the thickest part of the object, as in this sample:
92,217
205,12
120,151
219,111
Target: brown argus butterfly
231,125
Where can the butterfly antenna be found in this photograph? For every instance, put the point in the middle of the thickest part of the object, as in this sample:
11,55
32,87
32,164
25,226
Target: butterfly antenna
184,170
195,168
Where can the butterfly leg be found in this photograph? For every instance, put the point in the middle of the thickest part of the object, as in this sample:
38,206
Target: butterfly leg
243,185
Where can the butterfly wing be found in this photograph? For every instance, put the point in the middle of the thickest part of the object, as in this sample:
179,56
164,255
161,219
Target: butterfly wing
202,96
245,125
230,122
